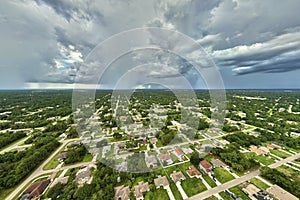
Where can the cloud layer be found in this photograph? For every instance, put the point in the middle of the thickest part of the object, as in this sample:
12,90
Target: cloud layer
46,41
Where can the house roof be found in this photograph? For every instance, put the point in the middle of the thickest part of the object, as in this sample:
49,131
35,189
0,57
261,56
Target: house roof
205,164
161,181
258,151
280,193
218,163
164,156
122,192
141,188
177,176
192,171
251,189
178,151
37,188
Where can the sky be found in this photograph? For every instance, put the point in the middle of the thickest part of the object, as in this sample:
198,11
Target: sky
56,44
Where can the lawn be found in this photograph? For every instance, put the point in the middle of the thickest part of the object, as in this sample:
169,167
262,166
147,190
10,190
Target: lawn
193,186
279,153
209,181
159,194
222,175
225,196
294,174
175,191
238,192
52,164
212,198
258,183
264,160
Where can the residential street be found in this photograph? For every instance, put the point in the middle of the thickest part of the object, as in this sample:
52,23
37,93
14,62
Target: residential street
240,180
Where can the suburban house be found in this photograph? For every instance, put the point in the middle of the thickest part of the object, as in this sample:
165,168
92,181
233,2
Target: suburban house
274,145
122,193
161,181
35,189
166,157
251,190
62,156
140,189
205,166
217,163
193,172
280,193
151,161
84,175
177,176
258,151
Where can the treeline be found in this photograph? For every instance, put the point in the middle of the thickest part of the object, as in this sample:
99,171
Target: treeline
279,178
234,158
8,137
15,166
245,140
76,154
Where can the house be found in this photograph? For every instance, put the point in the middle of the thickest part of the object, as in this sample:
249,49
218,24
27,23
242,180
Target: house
166,158
205,166
280,193
35,189
161,181
84,175
274,145
187,150
151,161
140,189
193,172
122,193
218,163
178,152
62,156
251,190
258,151
177,176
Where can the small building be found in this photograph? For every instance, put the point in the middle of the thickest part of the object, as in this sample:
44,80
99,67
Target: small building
280,193
205,166
161,181
62,156
166,158
178,152
187,150
193,172
62,180
151,161
84,175
35,189
122,193
274,145
251,190
258,151
140,189
177,176
218,163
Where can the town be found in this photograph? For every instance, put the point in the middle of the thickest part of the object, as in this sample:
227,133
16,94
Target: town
150,146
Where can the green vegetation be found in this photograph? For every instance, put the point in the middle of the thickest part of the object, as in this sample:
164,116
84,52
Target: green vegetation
279,153
222,175
212,198
234,158
291,184
7,138
193,186
76,154
225,196
238,192
159,194
258,183
175,191
264,160
209,181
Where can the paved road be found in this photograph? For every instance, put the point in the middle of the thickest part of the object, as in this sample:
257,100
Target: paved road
239,180
39,171
14,145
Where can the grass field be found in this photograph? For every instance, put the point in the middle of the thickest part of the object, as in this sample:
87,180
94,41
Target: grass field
264,160
279,153
209,181
159,194
212,198
225,196
175,191
294,174
222,175
193,186
238,192
258,183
